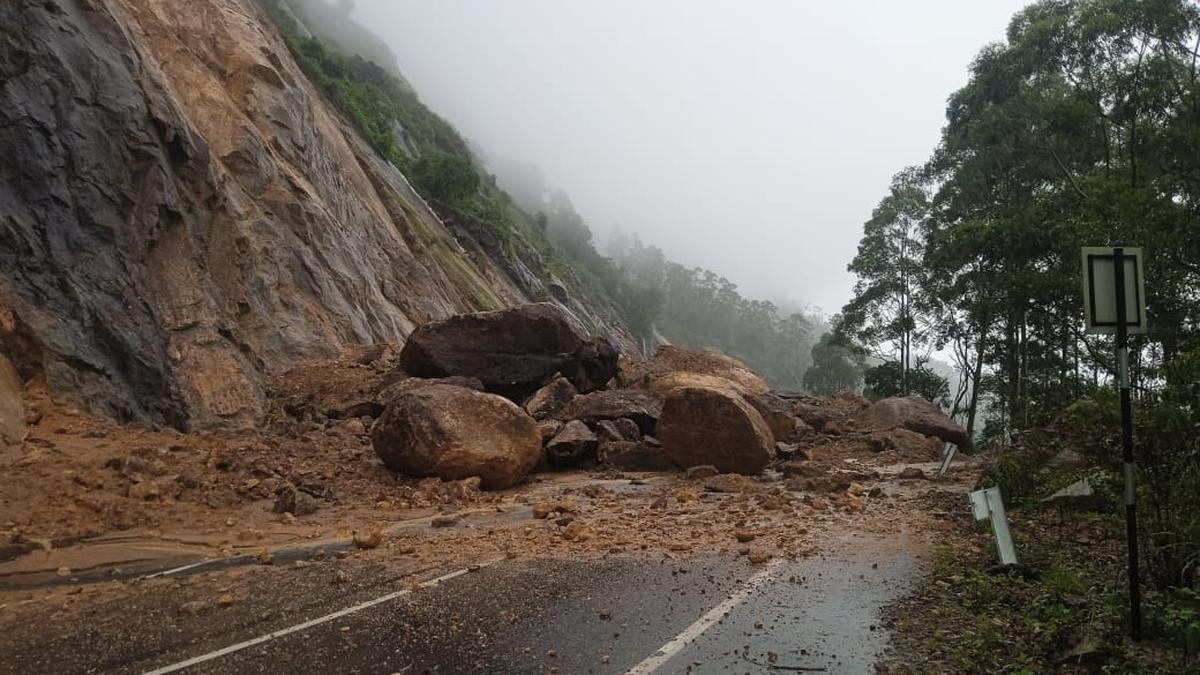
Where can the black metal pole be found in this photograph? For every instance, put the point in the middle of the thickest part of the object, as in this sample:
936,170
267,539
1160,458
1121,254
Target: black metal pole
1135,594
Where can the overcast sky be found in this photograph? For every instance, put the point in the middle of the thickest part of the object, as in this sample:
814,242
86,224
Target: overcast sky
749,137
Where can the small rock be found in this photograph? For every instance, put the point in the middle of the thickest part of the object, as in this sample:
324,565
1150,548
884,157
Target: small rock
732,483
701,472
542,510
444,521
759,556
370,539
744,536
225,600
912,473
686,495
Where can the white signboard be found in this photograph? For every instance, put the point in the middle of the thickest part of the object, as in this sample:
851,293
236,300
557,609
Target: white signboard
1099,290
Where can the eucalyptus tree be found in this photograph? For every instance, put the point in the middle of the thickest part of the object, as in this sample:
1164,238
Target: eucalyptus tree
888,312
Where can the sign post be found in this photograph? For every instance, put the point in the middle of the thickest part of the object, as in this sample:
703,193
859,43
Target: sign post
1120,310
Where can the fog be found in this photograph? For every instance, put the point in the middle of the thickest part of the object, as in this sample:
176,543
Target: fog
751,138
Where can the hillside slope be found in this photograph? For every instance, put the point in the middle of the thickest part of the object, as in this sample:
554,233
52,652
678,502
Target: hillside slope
181,214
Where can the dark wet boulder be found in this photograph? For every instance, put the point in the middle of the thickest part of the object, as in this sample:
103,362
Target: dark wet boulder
574,445
512,351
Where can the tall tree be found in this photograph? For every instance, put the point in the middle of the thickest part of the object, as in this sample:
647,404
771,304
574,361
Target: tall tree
886,313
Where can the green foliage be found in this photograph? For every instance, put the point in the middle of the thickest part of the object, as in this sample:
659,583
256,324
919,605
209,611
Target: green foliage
888,312
376,100
449,179
1167,447
837,365
651,294
1082,128
885,380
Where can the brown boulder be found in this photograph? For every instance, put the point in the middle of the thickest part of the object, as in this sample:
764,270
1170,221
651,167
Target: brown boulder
777,413
413,383
512,351
905,442
915,414
663,383
548,429
550,399
708,362
454,433
714,426
612,404
575,444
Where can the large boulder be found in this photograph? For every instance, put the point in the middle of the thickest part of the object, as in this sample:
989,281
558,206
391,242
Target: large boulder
716,426
671,359
915,414
454,433
573,445
640,406
776,411
512,351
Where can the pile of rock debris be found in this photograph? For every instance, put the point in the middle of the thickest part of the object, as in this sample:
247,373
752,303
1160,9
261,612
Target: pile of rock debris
497,395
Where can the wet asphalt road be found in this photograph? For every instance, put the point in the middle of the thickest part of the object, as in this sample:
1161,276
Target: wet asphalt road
814,615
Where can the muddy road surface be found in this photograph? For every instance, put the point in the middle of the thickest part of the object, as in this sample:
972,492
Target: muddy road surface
542,615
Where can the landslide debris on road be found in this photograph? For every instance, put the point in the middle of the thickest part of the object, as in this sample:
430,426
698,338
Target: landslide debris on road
357,444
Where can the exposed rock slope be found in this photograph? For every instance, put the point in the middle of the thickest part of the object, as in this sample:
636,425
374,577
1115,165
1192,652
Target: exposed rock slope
181,214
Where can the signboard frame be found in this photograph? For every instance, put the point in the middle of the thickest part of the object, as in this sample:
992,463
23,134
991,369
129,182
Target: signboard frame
1099,299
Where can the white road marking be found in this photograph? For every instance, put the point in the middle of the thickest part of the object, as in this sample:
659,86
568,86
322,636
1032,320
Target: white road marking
176,570
175,667
676,645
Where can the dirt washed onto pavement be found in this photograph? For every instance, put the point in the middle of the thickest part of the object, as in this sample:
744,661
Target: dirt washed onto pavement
77,493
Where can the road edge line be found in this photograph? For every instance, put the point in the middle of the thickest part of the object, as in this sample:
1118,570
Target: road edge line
187,663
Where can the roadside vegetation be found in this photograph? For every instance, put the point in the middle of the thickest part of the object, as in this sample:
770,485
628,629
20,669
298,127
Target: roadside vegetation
1081,129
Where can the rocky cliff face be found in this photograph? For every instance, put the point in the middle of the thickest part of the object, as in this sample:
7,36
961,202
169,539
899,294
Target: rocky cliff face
181,214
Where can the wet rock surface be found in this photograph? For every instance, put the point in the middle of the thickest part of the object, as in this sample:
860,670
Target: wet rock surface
188,216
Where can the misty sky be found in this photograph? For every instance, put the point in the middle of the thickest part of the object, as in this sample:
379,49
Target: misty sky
749,137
